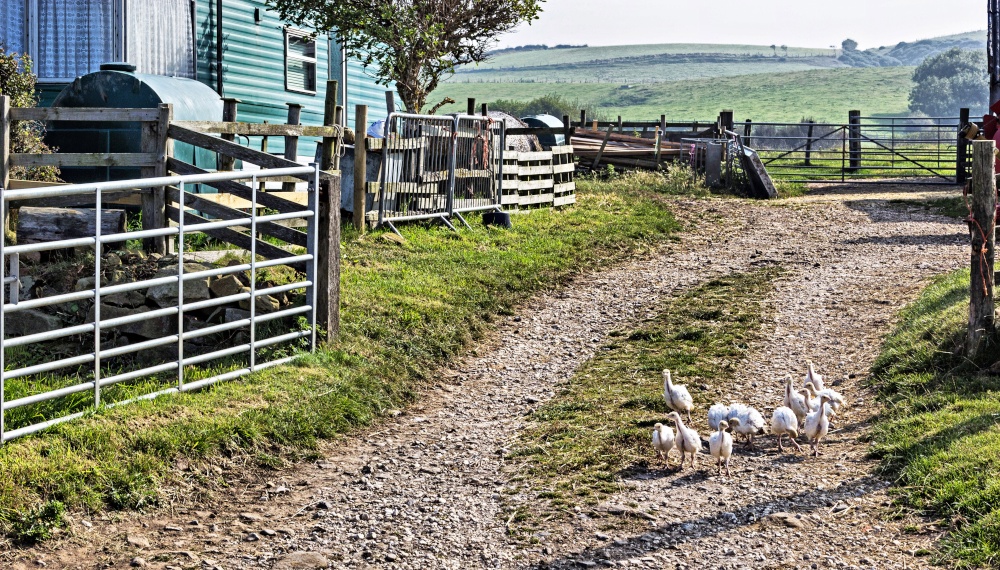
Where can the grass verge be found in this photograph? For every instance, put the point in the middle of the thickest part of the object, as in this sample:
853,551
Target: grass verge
407,309
940,432
597,428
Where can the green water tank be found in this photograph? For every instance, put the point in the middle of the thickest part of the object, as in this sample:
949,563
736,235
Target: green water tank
117,86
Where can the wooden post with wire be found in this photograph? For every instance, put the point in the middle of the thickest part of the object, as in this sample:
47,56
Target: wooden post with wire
328,256
360,166
982,227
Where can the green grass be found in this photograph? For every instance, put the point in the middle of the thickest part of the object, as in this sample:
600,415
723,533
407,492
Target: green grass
940,432
597,428
407,310
604,53
824,95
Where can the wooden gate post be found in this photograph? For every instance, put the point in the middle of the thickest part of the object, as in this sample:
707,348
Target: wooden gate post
962,150
153,201
292,143
809,141
328,271
726,120
981,229
360,166
229,107
854,140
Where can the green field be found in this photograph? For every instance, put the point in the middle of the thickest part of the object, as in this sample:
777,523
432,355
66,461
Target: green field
600,53
824,95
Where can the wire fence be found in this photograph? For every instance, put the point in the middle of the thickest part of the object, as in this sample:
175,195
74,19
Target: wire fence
95,370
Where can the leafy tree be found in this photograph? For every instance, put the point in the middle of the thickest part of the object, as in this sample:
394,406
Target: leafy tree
774,48
849,45
784,48
414,43
18,82
949,81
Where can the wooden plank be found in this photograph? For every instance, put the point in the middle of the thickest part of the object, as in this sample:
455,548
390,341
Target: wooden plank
43,225
527,200
563,168
534,156
272,200
123,198
234,237
564,200
535,184
84,114
260,129
235,202
26,184
466,173
84,159
535,170
224,213
395,143
232,149
564,187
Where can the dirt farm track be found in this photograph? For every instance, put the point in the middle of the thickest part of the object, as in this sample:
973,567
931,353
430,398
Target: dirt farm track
429,486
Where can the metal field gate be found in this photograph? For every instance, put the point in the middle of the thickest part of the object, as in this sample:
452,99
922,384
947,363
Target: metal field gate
439,167
58,373
866,149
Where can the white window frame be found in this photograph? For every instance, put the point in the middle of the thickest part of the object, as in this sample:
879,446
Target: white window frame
31,36
314,60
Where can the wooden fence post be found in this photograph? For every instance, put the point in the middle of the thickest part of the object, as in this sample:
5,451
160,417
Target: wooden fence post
962,150
471,107
8,230
854,140
809,142
583,118
982,227
4,141
229,106
726,120
153,201
747,130
292,143
328,270
360,166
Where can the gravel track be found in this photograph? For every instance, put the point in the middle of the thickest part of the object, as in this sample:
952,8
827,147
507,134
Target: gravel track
428,487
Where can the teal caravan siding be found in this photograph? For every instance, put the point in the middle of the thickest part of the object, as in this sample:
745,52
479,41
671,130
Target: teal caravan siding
253,66
362,90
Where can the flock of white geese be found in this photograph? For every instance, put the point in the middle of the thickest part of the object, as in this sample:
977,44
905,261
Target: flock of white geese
804,411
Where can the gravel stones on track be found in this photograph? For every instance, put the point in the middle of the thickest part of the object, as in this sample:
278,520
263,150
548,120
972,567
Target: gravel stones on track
427,487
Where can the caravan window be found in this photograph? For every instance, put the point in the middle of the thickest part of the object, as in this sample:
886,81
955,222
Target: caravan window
74,37
300,62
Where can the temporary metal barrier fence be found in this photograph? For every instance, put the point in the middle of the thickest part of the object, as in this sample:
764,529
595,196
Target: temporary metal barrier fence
437,167
101,378
922,150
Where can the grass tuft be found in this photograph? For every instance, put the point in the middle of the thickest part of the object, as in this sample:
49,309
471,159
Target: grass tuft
407,310
940,432
596,430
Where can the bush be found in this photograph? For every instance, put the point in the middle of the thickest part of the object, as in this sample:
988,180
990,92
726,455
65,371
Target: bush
18,82
552,104
950,81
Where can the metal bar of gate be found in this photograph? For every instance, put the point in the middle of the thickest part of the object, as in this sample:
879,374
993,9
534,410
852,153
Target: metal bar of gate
9,301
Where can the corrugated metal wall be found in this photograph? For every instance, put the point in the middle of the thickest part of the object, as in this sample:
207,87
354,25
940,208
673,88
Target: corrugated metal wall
253,68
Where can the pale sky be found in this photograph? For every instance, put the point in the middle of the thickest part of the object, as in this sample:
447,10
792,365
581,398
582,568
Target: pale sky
796,23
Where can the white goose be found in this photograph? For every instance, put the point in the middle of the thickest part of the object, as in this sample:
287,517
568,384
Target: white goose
687,440
812,376
676,396
785,422
795,401
717,413
663,442
720,444
750,421
818,424
836,400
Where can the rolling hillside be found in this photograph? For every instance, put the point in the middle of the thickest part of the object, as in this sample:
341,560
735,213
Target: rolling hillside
695,81
824,95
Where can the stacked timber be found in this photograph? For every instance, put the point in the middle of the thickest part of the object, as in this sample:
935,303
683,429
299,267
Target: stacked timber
596,148
533,180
